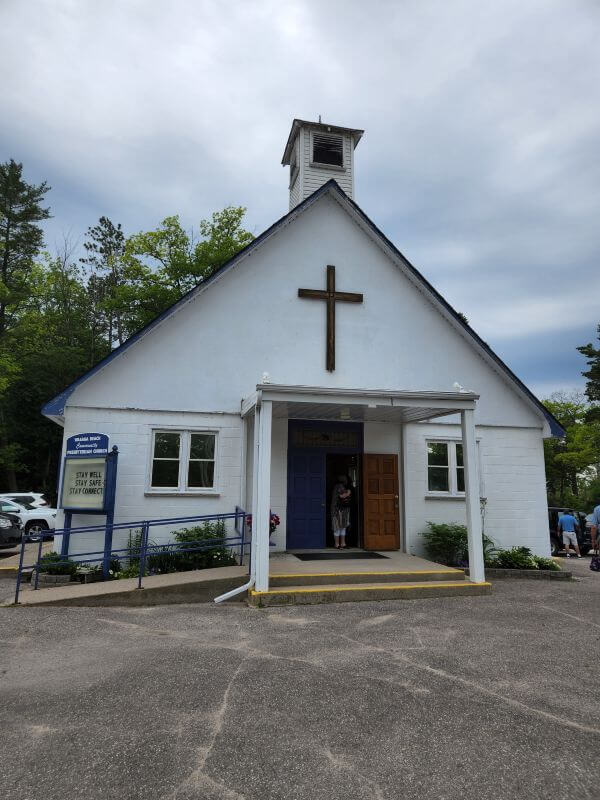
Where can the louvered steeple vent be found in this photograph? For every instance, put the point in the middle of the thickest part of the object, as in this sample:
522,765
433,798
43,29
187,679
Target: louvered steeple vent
315,153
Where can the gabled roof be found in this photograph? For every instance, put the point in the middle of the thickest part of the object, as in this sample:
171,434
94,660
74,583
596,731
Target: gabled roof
54,409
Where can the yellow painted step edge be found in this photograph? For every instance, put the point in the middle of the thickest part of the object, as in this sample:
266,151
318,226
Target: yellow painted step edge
369,587
347,574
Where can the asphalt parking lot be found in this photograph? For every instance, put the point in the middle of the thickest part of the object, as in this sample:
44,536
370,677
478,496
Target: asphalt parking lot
488,697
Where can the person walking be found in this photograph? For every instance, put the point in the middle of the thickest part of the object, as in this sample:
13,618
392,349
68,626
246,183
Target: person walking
569,527
340,511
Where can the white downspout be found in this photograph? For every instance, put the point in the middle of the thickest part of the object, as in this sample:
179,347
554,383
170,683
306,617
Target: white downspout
240,589
233,592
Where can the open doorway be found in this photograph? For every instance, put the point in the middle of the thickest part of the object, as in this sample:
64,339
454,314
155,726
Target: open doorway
348,465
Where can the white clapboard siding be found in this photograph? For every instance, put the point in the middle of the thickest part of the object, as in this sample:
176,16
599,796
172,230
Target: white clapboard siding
311,177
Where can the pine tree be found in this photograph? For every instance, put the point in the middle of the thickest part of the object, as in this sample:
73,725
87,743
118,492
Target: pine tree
21,238
105,246
592,355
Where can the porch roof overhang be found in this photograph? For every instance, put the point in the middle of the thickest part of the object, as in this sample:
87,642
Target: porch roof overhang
356,405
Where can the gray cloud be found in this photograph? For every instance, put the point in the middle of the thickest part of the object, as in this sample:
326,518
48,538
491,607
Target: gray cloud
480,159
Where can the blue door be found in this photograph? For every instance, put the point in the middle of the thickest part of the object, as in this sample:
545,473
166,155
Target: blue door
306,500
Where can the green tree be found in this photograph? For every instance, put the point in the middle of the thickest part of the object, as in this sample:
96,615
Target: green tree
105,246
592,355
572,462
51,345
21,238
161,266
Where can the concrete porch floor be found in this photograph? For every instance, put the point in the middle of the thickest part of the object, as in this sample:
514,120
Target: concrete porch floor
394,561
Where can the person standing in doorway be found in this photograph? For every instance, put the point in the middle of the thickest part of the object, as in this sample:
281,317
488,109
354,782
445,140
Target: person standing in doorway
569,527
340,511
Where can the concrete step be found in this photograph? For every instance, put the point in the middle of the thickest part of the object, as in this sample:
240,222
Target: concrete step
348,593
396,576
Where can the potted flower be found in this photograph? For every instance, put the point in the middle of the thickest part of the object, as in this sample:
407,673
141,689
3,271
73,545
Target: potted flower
274,523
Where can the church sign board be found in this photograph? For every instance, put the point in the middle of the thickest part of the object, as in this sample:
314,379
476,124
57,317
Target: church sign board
87,444
85,473
89,480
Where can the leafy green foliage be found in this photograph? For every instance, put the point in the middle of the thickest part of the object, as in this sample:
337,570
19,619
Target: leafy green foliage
522,558
55,564
515,558
161,266
21,238
571,463
58,317
177,556
105,247
592,354
449,544
546,563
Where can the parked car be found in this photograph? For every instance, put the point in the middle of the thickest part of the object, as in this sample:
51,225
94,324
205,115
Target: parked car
584,535
10,531
35,499
33,520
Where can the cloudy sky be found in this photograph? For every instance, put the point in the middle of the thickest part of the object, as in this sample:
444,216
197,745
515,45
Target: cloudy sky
480,159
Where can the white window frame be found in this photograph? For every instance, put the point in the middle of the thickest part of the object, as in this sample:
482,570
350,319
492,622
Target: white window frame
453,493
182,488
320,164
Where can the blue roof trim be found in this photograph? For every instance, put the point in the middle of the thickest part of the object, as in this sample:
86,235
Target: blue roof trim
56,406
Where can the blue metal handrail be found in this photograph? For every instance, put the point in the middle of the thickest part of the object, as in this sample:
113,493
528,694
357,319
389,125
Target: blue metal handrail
145,547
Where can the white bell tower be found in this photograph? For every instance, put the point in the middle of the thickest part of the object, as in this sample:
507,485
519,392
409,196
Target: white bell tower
315,153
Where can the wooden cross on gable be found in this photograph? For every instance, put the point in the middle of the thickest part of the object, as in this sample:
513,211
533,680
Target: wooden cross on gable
331,297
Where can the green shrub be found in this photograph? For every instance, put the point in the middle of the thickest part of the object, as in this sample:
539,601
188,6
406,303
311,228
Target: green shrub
134,544
546,563
449,544
172,557
55,564
515,558
217,556
98,566
132,571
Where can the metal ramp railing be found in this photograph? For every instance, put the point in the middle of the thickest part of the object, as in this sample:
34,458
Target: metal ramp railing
146,548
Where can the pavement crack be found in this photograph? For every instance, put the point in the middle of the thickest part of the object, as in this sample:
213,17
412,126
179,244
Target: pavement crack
340,762
570,616
198,779
473,685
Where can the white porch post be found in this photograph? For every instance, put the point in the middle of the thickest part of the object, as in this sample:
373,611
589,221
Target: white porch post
253,506
261,514
476,568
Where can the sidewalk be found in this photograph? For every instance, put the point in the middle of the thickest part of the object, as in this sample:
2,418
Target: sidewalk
9,559
197,586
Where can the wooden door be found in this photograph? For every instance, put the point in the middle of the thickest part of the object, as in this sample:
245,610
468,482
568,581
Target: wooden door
381,530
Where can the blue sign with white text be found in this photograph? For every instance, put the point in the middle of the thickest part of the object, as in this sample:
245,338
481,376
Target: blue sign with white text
87,444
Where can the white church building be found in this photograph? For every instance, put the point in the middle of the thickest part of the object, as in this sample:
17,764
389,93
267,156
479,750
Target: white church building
319,350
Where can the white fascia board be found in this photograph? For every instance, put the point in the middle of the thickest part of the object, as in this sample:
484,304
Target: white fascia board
377,397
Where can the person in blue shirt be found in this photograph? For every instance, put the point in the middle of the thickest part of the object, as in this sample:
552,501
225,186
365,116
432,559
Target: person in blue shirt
569,527
595,526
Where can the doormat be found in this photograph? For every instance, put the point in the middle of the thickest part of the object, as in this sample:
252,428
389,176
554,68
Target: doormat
336,556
